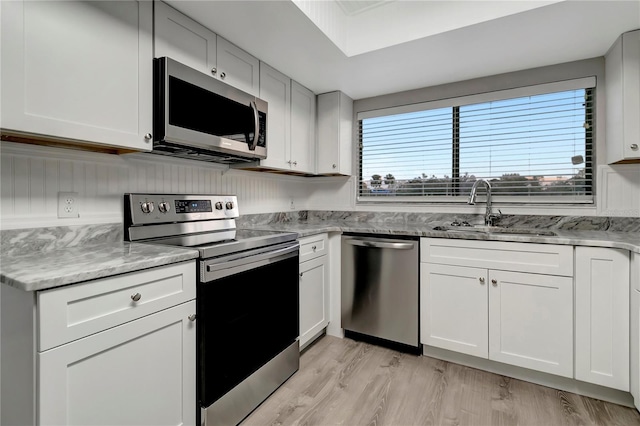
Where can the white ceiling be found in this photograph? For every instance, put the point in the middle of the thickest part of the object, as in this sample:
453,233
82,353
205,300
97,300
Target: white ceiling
402,45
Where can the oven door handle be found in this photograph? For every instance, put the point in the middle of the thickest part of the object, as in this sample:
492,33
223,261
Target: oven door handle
222,268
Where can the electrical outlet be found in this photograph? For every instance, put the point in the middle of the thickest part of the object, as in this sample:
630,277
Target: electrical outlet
68,205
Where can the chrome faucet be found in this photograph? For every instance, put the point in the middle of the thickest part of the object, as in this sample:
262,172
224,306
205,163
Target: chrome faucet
489,217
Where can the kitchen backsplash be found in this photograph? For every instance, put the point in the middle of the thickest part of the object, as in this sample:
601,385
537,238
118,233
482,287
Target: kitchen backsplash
26,241
567,223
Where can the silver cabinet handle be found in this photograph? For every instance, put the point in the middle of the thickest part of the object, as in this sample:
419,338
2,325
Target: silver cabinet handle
634,146
301,274
192,317
214,71
223,75
334,166
378,244
481,280
148,136
313,248
295,163
136,297
494,282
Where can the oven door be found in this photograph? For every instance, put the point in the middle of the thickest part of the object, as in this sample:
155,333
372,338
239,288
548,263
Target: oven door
247,308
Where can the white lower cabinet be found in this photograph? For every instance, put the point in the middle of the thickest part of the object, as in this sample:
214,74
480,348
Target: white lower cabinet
531,321
454,308
314,288
141,372
119,350
602,316
634,365
510,316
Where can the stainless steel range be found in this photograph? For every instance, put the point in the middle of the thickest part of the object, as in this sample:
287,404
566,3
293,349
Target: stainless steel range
247,297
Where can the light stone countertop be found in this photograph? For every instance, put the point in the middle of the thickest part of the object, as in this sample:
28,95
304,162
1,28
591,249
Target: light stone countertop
62,266
622,240
45,258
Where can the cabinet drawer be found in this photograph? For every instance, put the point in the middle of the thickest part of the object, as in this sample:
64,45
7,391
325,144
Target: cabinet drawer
69,313
520,257
312,247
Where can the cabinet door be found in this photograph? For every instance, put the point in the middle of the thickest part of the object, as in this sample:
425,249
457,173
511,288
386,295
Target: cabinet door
142,372
335,122
453,308
314,298
275,88
622,72
183,39
531,321
237,68
635,348
78,70
602,316
303,128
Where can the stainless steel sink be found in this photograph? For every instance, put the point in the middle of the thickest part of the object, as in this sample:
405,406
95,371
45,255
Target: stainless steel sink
496,230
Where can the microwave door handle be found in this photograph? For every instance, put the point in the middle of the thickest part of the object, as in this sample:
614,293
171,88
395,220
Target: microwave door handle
256,133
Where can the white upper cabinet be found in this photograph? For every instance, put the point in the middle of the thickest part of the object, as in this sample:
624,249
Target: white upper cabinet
78,71
237,68
622,75
303,128
335,129
275,88
181,38
290,122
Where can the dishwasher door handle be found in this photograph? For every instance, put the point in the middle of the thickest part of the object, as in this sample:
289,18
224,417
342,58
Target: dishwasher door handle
379,244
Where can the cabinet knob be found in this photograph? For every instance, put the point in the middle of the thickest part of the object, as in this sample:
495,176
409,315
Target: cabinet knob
301,274
136,297
334,166
295,163
214,70
192,317
481,280
634,146
313,248
223,75
148,137
289,162
494,282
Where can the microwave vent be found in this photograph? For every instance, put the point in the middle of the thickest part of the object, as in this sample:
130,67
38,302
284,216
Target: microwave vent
191,153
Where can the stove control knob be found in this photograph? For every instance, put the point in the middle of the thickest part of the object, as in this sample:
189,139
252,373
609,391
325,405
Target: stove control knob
229,205
218,205
164,207
147,207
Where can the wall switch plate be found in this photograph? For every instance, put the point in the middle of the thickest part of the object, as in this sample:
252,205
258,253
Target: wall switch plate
68,205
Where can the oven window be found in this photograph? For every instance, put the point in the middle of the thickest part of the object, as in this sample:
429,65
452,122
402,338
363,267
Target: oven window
244,320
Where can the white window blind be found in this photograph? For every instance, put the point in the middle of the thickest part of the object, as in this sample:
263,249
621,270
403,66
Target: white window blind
534,148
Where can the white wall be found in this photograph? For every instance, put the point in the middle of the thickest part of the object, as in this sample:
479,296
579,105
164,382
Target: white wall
617,187
31,177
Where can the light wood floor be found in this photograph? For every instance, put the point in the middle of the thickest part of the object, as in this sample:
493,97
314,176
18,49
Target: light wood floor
343,382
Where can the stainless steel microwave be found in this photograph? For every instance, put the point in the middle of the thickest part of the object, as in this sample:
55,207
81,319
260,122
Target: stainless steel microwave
199,117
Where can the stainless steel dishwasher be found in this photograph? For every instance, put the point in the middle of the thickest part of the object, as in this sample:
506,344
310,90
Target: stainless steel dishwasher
380,288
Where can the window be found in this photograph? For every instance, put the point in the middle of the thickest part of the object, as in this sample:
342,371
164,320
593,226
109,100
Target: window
532,144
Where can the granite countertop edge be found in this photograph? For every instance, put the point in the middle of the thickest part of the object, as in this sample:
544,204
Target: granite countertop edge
78,264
